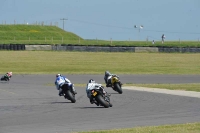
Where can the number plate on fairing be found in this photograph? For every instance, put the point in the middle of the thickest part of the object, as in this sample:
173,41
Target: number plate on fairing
95,93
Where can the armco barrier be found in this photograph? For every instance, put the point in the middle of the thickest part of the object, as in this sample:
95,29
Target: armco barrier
146,49
38,47
92,48
97,48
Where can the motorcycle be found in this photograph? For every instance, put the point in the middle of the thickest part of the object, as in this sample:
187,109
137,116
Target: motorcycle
100,98
68,92
4,78
116,84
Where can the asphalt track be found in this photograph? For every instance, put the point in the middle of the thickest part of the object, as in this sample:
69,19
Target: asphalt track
29,104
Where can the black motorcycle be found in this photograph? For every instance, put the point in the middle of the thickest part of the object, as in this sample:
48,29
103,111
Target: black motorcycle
4,78
68,92
100,98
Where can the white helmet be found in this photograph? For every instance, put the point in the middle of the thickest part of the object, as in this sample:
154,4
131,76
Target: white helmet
57,75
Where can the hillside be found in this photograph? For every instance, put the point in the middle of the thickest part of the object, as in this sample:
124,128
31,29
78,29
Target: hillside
34,34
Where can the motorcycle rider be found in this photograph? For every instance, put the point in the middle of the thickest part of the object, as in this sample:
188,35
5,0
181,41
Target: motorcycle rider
69,83
8,75
60,81
93,85
107,78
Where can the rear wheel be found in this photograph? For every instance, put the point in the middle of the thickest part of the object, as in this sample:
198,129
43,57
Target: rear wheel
71,96
118,88
101,100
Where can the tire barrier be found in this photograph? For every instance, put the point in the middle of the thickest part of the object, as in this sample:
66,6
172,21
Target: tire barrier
59,47
125,49
14,47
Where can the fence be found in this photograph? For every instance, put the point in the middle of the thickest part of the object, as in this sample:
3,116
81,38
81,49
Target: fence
80,41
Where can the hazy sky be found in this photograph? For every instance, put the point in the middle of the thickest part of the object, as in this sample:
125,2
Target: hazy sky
105,19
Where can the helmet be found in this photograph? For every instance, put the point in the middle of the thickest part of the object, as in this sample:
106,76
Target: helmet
57,75
10,73
107,73
91,81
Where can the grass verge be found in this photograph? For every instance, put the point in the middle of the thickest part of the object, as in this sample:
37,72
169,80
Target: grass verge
184,87
45,62
179,128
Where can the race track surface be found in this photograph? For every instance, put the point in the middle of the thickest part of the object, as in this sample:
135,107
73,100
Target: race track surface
30,104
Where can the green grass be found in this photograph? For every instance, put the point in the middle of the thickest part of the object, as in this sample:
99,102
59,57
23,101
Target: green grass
34,34
38,34
179,128
184,87
40,62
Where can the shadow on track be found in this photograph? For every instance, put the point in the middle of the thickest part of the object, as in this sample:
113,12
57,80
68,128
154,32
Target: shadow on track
89,107
60,102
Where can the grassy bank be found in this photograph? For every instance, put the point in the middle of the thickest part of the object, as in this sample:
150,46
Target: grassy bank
34,34
39,62
179,128
41,34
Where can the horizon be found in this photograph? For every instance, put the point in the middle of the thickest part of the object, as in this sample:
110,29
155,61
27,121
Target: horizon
108,19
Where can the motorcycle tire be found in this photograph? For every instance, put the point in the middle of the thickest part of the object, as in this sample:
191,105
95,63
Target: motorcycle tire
71,96
4,79
102,102
118,88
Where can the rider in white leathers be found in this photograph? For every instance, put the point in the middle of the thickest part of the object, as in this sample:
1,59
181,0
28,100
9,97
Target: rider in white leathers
90,86
60,81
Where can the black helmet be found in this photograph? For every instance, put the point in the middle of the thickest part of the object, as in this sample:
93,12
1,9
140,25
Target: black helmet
107,73
91,81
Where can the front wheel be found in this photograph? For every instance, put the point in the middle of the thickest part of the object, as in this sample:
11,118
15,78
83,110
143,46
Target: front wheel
71,96
4,79
118,88
102,102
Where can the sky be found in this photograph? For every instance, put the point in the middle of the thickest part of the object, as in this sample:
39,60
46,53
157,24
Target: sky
110,19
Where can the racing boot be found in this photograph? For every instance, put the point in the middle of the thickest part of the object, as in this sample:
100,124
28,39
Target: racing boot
91,100
108,85
60,92
74,91
120,83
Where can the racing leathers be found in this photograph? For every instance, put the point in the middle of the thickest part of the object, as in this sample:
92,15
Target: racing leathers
70,84
108,77
60,81
8,75
91,86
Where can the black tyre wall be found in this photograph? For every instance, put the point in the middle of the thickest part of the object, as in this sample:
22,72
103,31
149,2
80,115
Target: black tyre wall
4,46
11,47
